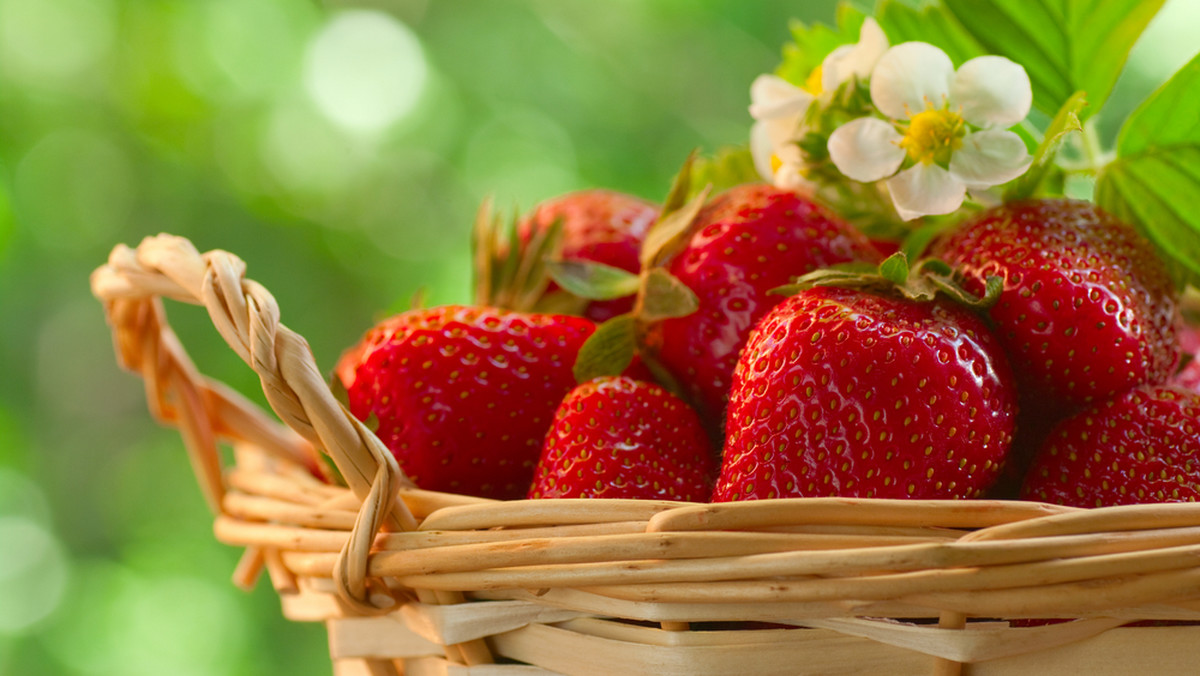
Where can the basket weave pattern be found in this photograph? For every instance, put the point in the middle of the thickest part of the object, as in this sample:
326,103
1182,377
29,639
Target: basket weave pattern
418,582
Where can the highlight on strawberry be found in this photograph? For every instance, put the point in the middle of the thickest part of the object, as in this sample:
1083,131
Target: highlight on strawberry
617,437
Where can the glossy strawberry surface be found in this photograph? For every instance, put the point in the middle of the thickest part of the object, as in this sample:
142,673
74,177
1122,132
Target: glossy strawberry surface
1141,446
616,437
1087,310
745,242
603,226
847,393
463,396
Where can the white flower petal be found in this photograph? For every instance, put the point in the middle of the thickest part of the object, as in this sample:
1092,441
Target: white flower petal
990,157
872,43
789,153
783,129
992,91
795,181
908,76
857,60
866,149
771,96
835,68
761,149
925,189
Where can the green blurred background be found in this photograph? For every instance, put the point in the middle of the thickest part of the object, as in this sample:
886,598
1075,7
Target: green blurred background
340,148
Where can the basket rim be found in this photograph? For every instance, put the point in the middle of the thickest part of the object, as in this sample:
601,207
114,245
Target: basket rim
381,537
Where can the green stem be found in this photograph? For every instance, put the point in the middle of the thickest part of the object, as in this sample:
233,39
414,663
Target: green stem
1092,149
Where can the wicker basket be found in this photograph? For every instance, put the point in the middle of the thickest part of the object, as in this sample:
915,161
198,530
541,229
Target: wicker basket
418,582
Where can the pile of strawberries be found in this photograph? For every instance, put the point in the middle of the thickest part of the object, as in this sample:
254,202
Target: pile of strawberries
1036,350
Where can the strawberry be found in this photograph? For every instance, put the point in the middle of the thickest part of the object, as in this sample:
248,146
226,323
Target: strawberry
847,392
1140,446
602,226
743,243
464,396
1087,309
616,437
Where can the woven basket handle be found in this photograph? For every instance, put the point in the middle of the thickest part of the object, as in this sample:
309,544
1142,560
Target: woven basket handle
131,286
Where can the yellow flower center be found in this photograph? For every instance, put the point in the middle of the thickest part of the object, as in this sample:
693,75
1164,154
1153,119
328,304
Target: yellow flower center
812,84
776,163
933,135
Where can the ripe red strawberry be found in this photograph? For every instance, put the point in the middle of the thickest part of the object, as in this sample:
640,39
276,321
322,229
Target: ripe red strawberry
745,242
841,392
616,437
1087,310
602,226
1141,446
464,395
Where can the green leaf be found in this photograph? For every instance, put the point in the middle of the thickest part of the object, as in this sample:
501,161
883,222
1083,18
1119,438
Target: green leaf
895,268
1065,122
667,234
812,43
1065,45
921,282
592,280
902,22
937,276
1156,191
681,187
662,375
609,350
530,279
854,274
665,297
560,302
918,239
730,166
1171,116
1155,179
485,240
339,391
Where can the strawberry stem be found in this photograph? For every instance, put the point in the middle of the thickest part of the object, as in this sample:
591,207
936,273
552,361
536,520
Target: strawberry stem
921,282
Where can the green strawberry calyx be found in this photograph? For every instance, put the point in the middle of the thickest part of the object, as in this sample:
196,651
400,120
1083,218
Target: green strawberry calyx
515,275
660,295
921,282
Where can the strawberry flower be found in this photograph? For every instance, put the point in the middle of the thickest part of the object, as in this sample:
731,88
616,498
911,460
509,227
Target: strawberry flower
946,131
779,107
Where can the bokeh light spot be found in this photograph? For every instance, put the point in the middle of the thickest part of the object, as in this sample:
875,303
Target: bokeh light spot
232,50
33,573
307,155
117,621
1168,41
53,39
365,70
